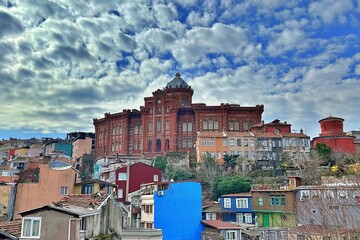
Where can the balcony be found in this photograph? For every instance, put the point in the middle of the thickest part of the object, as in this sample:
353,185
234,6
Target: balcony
135,210
265,187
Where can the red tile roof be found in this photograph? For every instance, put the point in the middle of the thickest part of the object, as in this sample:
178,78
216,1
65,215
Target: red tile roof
82,200
13,227
218,224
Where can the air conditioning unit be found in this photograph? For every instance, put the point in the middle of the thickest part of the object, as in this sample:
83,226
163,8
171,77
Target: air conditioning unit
160,193
302,199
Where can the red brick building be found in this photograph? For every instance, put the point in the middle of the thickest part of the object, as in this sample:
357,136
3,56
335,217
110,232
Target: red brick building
333,135
168,122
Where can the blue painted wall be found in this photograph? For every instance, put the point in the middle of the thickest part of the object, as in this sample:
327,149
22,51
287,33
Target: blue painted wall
178,211
66,148
230,213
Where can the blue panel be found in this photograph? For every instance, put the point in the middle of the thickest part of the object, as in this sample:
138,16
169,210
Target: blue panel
178,211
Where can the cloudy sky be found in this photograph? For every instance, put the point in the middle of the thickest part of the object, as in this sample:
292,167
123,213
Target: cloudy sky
65,62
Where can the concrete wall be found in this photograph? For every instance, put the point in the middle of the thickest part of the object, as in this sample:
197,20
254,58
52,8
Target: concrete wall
55,225
5,191
81,147
47,190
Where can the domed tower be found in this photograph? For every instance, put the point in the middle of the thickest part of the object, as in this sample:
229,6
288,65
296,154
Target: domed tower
179,89
333,135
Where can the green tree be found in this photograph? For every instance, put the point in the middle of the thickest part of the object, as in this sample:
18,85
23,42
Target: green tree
182,174
230,161
325,154
231,184
161,163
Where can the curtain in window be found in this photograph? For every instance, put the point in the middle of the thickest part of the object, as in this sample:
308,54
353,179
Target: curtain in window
27,227
36,228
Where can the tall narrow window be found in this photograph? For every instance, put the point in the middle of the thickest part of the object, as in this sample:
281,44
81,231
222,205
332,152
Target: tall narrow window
158,125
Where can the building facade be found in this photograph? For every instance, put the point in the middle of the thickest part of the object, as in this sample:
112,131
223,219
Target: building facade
130,178
237,208
333,135
168,122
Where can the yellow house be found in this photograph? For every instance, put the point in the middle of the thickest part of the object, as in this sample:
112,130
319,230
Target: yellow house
94,186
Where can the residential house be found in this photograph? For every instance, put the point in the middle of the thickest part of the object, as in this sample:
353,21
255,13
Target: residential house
174,207
177,210
75,217
329,205
211,144
43,185
238,208
318,232
94,186
217,229
268,150
81,146
57,146
295,147
131,177
274,206
212,212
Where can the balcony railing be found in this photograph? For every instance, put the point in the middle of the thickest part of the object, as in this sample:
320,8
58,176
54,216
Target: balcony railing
257,187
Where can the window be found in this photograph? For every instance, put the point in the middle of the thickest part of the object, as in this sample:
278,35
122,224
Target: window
277,200
261,201
205,125
240,217
167,126
31,227
231,142
147,208
248,218
211,125
242,203
224,142
210,216
64,190
342,194
216,125
252,142
227,202
158,125
246,154
122,176
300,237
89,189
189,126
120,193
304,193
211,142
218,155
203,142
155,178
238,142
150,126
231,235
212,155
246,143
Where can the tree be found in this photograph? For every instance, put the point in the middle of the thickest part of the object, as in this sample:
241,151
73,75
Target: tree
161,163
182,174
208,171
325,154
230,161
231,184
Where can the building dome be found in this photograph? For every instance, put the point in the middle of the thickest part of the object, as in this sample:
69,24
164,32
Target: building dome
177,82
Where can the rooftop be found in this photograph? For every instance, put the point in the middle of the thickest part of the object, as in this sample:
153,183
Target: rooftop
218,224
12,228
82,200
177,82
